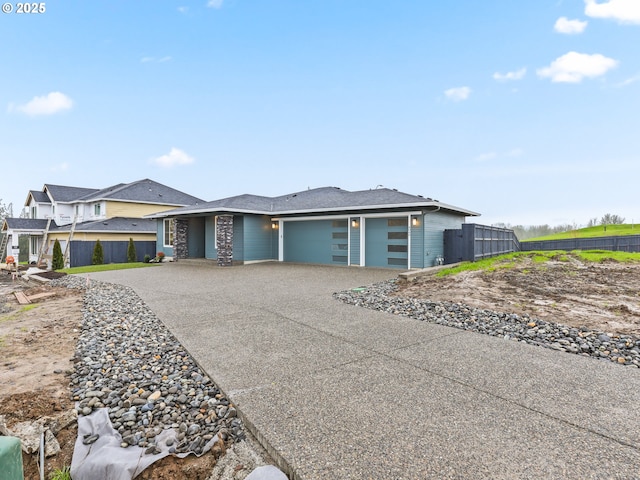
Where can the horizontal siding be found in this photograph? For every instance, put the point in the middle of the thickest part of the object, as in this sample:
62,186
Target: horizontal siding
238,238
92,237
434,226
258,238
210,238
135,210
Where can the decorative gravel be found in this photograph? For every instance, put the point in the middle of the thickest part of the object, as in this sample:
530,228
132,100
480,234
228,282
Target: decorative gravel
621,349
127,361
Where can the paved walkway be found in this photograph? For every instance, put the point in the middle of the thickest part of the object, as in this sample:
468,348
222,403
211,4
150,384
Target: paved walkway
342,392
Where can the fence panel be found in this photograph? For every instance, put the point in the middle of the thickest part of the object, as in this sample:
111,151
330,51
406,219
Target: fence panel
474,242
626,243
114,252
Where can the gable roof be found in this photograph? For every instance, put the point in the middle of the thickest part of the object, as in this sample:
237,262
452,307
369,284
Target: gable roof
26,224
113,225
317,200
142,191
64,194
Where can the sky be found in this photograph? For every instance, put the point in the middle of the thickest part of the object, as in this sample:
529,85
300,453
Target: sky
525,111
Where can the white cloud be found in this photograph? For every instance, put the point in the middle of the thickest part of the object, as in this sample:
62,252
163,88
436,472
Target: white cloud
214,3
173,158
513,153
624,11
573,67
629,81
62,167
505,77
458,94
569,27
52,103
155,60
183,9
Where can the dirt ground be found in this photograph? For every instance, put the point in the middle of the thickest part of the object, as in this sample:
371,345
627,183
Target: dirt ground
600,296
37,342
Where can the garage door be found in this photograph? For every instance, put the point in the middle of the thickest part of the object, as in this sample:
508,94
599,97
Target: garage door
316,241
386,242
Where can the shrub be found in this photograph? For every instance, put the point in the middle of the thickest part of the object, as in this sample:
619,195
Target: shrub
98,254
147,258
131,251
160,257
58,260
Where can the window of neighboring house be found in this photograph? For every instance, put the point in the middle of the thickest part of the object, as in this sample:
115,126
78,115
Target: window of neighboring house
77,210
53,210
34,245
34,212
96,209
168,232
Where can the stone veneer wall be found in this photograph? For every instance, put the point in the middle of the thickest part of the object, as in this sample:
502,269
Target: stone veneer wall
180,244
224,238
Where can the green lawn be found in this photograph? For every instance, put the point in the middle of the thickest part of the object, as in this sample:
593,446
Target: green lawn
599,231
106,267
510,260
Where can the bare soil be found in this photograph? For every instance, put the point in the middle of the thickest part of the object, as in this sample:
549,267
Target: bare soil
37,342
600,296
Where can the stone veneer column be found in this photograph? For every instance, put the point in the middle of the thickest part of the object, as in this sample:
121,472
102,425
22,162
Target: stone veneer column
180,244
224,238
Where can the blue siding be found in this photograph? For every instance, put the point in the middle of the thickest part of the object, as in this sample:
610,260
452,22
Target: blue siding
355,241
238,238
168,251
417,243
210,238
434,226
196,237
258,238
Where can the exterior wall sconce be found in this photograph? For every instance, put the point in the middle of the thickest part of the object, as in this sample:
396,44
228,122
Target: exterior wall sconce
414,221
274,225
354,223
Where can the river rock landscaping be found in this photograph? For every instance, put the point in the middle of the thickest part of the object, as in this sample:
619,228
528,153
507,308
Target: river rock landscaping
621,349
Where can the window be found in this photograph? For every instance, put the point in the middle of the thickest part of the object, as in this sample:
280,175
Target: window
168,232
34,212
96,209
397,248
397,235
397,222
53,210
34,245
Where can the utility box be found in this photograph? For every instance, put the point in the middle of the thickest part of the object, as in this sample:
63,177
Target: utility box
11,458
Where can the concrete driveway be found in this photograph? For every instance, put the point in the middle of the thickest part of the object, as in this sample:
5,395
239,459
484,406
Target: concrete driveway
336,391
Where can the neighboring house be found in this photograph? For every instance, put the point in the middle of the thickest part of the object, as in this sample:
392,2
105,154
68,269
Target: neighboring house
83,215
377,228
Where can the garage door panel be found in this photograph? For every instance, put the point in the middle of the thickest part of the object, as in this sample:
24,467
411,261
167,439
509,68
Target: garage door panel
386,242
316,241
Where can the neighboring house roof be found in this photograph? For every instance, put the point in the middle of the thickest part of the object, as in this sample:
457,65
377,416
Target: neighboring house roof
317,200
113,225
26,224
38,196
142,191
64,194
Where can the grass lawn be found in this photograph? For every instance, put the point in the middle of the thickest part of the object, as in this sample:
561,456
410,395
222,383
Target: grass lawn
589,232
106,267
511,259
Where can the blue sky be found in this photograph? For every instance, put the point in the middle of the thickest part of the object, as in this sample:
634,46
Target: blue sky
526,111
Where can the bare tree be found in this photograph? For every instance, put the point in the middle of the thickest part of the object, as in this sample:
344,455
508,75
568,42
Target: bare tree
611,219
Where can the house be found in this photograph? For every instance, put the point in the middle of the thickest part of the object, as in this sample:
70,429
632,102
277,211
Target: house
378,228
77,217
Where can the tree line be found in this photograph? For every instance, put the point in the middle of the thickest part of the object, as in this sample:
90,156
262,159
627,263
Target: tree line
532,231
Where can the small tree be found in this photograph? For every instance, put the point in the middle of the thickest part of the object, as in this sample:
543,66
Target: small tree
98,254
58,260
131,251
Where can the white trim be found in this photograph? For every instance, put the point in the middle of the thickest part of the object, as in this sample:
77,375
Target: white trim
363,223
334,217
280,240
409,242
349,241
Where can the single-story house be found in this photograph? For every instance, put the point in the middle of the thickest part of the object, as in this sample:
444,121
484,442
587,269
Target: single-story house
78,217
373,228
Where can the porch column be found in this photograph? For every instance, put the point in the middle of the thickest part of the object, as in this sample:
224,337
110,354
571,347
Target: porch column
180,244
224,239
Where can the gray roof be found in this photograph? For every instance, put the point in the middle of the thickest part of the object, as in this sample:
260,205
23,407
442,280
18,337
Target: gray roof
143,191
27,224
140,191
38,196
64,194
113,225
317,200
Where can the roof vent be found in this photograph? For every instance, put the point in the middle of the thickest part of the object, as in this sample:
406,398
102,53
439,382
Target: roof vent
134,224
105,223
